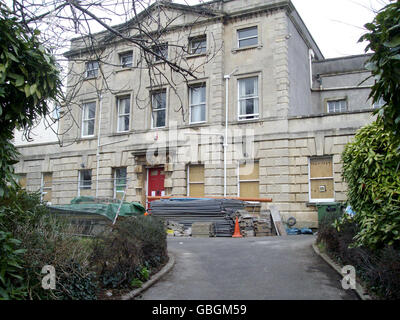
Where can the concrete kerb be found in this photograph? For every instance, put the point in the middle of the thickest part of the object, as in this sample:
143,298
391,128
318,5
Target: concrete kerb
152,280
360,290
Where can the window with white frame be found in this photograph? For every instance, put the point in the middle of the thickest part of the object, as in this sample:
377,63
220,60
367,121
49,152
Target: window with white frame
46,186
197,98
321,182
195,180
160,50
123,111
334,106
247,37
198,45
88,118
92,69
159,107
248,98
120,182
249,180
84,182
126,59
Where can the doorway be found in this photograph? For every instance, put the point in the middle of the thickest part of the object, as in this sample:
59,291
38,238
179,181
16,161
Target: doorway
155,183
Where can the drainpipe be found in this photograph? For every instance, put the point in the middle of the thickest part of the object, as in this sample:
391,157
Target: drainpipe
98,145
226,77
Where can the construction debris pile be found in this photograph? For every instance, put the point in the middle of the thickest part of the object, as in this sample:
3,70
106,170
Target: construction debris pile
251,226
211,218
189,211
203,229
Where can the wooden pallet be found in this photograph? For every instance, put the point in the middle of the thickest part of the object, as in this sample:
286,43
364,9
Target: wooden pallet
277,220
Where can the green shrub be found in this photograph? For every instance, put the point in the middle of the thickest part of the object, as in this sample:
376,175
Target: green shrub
371,168
45,240
11,282
128,253
379,269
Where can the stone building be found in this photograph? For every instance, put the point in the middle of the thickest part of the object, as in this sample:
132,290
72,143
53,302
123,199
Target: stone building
290,112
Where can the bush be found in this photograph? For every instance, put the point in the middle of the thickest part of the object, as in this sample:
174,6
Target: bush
41,239
371,168
125,256
379,269
11,283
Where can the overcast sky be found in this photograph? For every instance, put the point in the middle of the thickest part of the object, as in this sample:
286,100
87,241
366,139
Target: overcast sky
336,25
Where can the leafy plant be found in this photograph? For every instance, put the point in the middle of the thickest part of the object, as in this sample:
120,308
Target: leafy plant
384,40
11,265
371,169
29,78
136,283
130,251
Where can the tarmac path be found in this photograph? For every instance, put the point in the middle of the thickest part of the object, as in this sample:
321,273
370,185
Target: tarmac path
267,268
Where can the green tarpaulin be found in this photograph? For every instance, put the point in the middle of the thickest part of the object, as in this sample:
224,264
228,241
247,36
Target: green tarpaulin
90,205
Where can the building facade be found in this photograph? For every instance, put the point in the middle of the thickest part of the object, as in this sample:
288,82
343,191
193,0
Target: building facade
263,114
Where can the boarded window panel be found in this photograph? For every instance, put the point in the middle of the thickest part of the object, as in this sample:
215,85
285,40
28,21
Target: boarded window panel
196,190
321,168
196,181
322,189
249,189
47,186
196,173
47,180
249,171
47,195
22,181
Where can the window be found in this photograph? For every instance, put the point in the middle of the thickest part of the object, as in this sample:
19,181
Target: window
126,59
119,182
197,97
124,108
249,180
321,179
380,103
337,106
92,69
247,37
22,180
198,45
160,50
55,113
248,98
88,119
84,182
158,104
46,186
195,181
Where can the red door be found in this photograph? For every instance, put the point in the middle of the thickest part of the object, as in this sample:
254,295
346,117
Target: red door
155,185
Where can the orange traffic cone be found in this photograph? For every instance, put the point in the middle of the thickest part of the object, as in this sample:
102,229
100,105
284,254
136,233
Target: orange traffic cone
237,234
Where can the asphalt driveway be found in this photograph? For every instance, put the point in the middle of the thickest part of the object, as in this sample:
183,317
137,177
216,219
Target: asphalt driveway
270,268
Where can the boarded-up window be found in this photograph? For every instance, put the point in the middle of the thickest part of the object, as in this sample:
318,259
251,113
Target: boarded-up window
119,182
46,186
196,181
249,180
22,180
321,179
